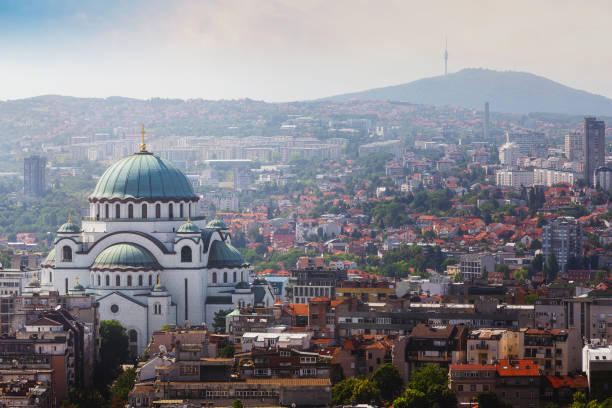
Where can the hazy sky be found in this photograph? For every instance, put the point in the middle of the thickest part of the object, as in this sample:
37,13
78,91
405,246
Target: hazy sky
281,50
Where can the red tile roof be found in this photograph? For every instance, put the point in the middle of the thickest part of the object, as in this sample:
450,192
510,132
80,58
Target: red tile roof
576,381
517,368
472,367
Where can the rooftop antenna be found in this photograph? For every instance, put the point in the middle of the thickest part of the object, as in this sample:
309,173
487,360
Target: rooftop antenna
445,56
143,146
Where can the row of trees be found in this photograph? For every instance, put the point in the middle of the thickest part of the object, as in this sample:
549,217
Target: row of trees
427,387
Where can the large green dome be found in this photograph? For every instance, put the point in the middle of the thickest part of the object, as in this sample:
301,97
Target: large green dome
126,257
224,255
143,175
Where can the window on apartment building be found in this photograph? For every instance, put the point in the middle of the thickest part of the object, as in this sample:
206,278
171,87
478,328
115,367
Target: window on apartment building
460,387
485,387
473,387
369,356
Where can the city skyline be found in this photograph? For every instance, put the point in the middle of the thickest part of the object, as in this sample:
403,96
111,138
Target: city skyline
281,50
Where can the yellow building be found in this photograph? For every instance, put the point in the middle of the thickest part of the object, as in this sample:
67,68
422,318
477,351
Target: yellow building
366,291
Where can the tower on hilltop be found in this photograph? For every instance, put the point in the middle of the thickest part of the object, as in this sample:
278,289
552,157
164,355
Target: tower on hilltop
445,56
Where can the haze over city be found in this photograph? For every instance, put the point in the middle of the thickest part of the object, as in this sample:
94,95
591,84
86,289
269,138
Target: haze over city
286,50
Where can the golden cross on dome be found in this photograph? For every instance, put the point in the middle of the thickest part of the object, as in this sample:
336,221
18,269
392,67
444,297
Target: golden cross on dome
69,218
158,280
143,146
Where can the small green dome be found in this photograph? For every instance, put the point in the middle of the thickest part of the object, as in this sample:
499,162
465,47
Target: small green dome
159,288
33,284
143,175
224,255
216,224
125,256
69,227
188,228
78,287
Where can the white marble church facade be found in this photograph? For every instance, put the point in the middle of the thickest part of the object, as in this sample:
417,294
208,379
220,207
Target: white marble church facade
147,256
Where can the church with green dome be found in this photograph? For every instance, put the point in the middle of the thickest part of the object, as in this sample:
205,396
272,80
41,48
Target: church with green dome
147,255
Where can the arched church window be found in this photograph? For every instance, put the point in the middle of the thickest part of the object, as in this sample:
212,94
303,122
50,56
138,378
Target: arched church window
185,254
181,210
117,280
158,210
133,336
50,276
107,280
157,309
144,210
170,211
234,277
139,280
130,211
99,278
117,211
214,277
67,254
129,280
242,276
97,211
224,277
150,280
106,214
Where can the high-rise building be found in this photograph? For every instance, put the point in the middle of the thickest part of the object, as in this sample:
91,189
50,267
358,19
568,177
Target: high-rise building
594,146
34,175
573,146
563,238
532,144
603,178
509,153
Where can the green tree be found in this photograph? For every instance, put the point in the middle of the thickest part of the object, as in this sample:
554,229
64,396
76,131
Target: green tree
122,387
237,404
503,268
114,350
343,391
90,398
579,400
366,392
388,379
411,398
219,320
227,351
429,375
433,382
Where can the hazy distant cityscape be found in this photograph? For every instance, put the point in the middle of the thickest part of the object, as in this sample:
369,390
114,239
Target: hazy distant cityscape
444,242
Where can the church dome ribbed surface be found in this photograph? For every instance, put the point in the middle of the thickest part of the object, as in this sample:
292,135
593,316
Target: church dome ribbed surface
143,175
224,255
125,256
69,227
216,224
188,228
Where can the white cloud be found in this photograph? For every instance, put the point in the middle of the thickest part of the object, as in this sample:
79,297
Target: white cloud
285,50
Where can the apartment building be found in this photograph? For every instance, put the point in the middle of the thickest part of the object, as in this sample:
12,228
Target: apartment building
442,345
472,266
468,380
557,351
488,346
518,383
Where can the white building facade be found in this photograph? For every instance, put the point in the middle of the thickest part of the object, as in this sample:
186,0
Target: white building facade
146,253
